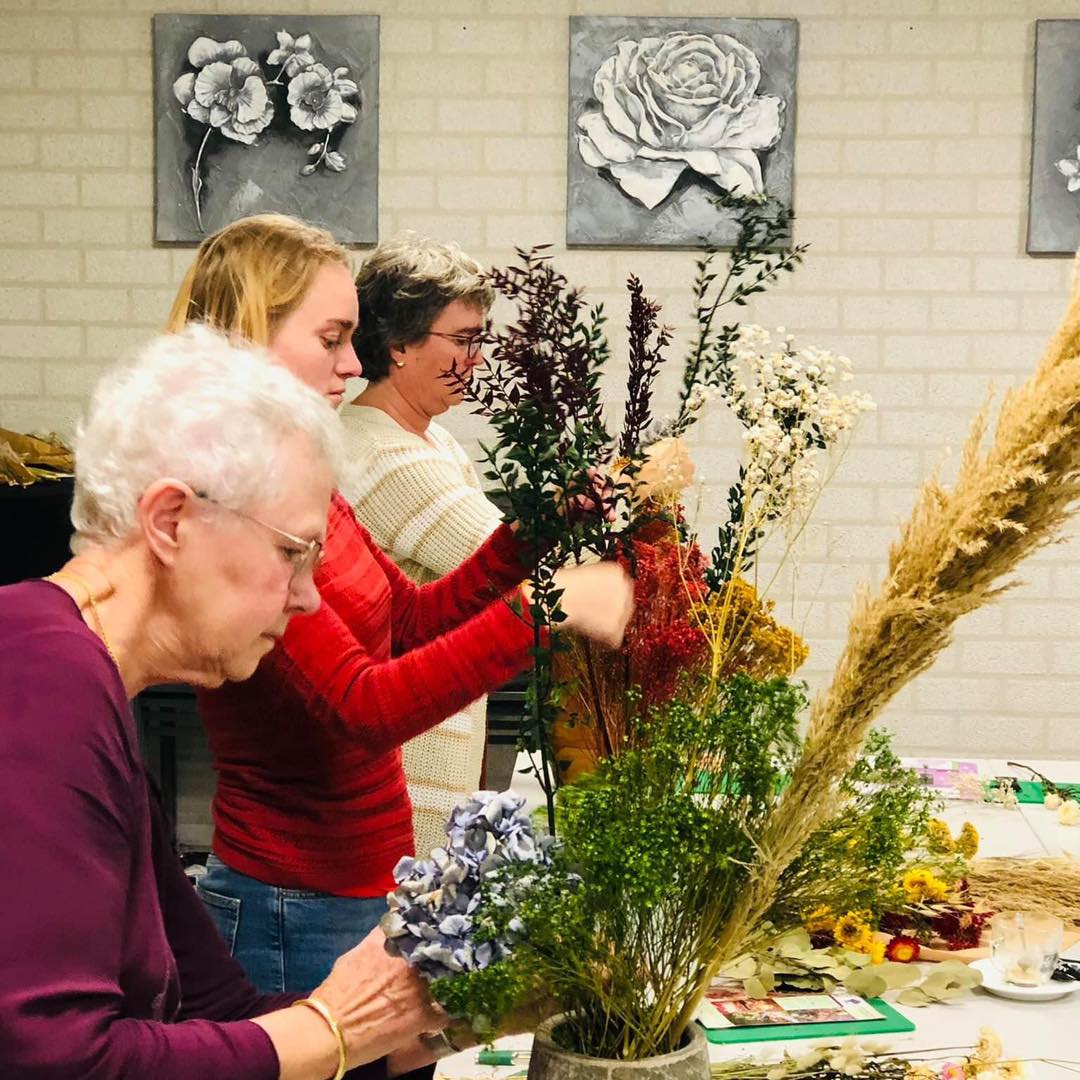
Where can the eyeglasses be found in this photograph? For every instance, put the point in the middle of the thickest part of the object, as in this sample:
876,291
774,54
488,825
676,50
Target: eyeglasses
471,343
303,555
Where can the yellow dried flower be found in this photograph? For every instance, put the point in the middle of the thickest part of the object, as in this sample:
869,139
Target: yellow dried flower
876,952
853,931
939,839
820,919
920,884
751,641
967,843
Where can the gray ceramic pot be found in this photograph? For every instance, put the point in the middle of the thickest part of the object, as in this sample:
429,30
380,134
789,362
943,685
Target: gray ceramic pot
551,1062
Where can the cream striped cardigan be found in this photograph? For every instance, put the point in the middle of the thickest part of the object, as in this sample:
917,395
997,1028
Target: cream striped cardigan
423,504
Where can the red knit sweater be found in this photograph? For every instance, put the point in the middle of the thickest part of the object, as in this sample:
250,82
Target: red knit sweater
310,792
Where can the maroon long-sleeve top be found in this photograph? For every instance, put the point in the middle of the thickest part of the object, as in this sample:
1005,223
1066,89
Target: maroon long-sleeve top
109,965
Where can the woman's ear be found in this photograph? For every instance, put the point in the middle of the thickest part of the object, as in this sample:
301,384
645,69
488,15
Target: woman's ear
161,509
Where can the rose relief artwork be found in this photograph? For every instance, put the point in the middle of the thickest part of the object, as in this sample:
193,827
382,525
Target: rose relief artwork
264,113
1054,211
663,113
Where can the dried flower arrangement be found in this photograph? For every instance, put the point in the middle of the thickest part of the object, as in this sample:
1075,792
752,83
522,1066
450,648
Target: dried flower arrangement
714,828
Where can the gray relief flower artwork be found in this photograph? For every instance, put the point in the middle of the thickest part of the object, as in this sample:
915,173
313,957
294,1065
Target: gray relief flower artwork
663,112
1054,206
266,113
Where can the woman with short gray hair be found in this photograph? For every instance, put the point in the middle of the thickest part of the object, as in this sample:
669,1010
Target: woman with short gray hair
422,304
203,479
404,287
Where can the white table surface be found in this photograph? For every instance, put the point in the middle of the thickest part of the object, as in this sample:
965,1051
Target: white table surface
1028,1030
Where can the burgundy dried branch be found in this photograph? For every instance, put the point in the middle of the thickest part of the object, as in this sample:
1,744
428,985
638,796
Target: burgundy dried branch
644,363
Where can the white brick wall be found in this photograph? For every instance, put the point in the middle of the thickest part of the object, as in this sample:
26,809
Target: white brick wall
912,156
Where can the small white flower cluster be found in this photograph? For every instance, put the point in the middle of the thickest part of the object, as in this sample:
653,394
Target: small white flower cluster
787,402
701,395
1001,793
1068,810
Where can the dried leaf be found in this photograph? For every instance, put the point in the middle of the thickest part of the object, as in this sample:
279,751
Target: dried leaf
742,968
913,997
865,983
897,975
794,944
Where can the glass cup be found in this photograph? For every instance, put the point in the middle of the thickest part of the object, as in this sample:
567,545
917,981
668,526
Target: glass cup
1024,946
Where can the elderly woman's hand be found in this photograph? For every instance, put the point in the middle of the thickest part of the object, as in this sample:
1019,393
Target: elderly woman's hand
460,1035
380,1003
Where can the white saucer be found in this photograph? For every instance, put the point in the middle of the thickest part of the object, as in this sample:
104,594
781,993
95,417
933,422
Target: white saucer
994,983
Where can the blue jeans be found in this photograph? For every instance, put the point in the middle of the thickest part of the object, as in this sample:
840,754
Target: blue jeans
285,939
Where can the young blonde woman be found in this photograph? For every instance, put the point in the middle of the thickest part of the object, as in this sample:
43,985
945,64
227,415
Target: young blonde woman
311,811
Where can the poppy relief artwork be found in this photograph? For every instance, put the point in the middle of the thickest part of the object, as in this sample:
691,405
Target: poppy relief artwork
266,113
664,114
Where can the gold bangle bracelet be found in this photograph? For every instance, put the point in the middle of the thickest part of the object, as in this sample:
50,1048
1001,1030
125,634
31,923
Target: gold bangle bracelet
317,1006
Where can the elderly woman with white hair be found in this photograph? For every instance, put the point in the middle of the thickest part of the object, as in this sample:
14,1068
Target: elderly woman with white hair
204,475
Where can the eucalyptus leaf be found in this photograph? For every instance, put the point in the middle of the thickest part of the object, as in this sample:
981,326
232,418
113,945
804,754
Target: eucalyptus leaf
819,960
794,944
913,997
951,975
866,983
897,975
755,988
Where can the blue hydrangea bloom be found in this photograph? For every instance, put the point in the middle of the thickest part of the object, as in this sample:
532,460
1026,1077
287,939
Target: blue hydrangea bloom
430,918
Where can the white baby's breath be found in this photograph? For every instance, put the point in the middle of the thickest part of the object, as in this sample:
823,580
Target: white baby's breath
788,403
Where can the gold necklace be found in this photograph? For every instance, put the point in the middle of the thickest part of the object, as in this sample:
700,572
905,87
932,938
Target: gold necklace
71,576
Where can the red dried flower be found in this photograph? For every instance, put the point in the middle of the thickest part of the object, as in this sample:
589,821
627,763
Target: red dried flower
662,641
902,949
960,928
